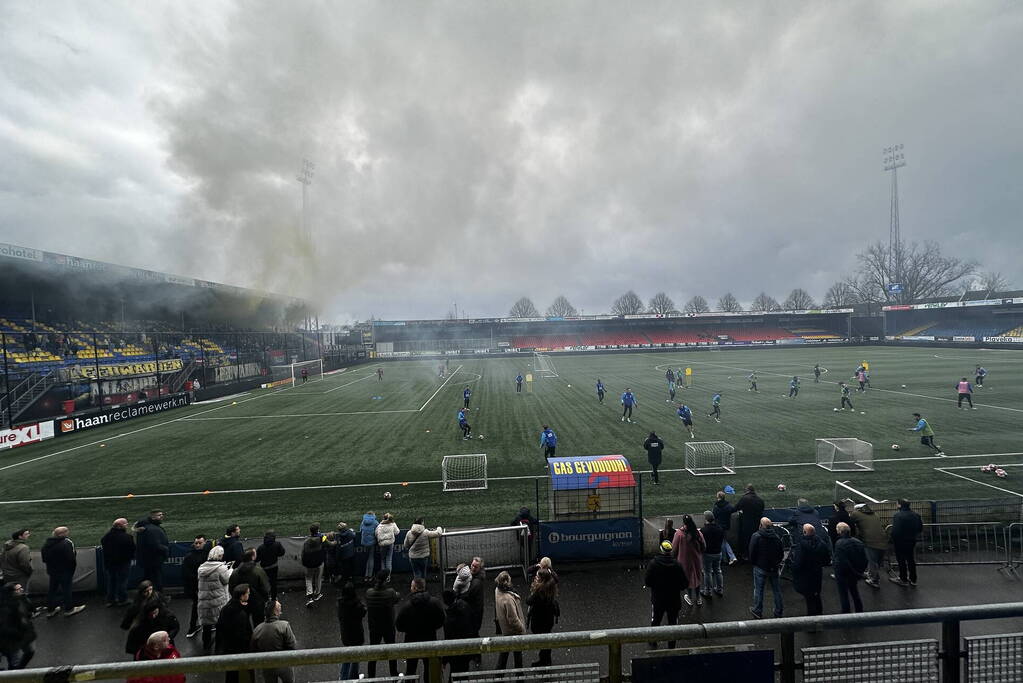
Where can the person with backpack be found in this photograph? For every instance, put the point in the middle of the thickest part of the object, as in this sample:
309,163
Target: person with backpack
368,539
313,556
850,563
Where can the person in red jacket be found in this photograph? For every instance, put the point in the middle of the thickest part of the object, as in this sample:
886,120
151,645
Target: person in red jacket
158,646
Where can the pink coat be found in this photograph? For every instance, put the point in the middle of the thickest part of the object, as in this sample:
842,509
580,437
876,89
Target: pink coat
690,556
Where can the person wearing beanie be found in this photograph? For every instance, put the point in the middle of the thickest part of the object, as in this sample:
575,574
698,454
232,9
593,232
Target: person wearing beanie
463,579
345,539
666,580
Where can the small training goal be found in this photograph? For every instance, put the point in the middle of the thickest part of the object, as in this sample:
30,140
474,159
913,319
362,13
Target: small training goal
313,371
845,455
543,365
464,472
704,458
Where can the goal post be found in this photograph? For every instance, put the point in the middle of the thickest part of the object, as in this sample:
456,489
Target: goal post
293,371
704,458
543,365
464,472
845,455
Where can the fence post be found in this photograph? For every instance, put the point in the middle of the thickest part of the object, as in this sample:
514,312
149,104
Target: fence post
950,654
436,670
788,657
614,662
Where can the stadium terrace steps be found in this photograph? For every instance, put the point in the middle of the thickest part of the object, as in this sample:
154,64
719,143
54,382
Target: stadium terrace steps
919,329
551,341
614,339
1014,332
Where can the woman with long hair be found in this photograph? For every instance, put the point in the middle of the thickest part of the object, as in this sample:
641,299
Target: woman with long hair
689,546
544,609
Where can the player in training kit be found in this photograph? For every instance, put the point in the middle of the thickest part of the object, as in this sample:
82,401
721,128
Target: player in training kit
600,391
463,424
440,371
794,387
817,373
979,379
669,375
305,375
965,390
926,434
518,383
845,397
715,407
628,401
380,374
549,441
753,382
465,396
686,415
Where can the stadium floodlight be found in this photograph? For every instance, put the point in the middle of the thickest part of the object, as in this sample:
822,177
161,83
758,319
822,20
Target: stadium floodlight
894,159
305,176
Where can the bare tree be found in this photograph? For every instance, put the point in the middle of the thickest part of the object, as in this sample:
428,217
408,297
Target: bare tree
764,303
524,308
561,308
799,300
729,304
662,303
992,282
697,305
839,295
627,304
921,269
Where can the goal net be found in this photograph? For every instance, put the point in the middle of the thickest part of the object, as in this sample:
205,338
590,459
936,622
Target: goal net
313,371
464,472
845,455
709,457
543,365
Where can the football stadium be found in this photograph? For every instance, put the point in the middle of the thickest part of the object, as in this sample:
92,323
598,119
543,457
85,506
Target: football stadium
441,343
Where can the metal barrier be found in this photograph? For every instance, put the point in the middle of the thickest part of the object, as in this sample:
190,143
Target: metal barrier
950,655
505,547
1014,546
994,659
907,660
568,673
974,543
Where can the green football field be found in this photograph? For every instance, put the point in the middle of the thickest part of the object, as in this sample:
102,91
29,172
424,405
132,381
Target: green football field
328,450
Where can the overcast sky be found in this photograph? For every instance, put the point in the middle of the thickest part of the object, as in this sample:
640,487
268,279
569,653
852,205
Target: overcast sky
481,151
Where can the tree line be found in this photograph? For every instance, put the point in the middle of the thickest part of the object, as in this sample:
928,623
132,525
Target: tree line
921,270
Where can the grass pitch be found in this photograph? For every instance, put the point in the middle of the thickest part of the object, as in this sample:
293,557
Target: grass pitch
328,450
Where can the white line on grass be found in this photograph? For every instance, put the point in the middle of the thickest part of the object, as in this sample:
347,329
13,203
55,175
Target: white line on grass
990,486
423,407
262,417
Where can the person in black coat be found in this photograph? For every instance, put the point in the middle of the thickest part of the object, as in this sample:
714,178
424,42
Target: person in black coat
232,545
118,552
750,508
152,547
380,602
457,625
59,556
153,617
906,529
475,594
809,557
351,612
838,516
345,539
666,580
234,628
850,563
197,554
654,451
17,632
544,610
267,555
723,511
419,618
714,540
249,572
766,554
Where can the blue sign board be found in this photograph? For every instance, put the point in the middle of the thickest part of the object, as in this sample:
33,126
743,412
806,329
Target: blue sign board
895,288
598,539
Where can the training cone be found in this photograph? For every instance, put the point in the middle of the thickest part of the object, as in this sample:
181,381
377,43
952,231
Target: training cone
130,495
206,492
404,483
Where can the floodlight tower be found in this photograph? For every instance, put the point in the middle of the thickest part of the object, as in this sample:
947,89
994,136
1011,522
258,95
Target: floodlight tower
894,159
305,176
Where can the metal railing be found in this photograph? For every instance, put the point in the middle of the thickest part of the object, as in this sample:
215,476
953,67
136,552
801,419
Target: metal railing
950,655
504,547
970,543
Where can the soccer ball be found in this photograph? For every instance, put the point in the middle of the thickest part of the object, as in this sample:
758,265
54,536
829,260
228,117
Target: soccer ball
1001,473
781,487
903,386
481,436
862,413
569,386
387,495
896,446
836,410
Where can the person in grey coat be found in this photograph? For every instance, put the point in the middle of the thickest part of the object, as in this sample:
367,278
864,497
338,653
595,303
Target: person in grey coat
275,635
214,577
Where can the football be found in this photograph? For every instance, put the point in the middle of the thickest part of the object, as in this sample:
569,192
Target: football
481,436
781,487
895,447
387,495
903,386
835,409
569,386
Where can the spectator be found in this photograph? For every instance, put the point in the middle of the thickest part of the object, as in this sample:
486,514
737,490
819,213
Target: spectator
750,508
543,563
197,554
313,557
713,537
723,511
234,628
214,575
345,539
809,557
850,563
16,561
666,580
17,632
668,532
60,559
807,514
158,646
268,553
252,575
525,518
906,529
275,635
118,551
544,610
766,554
380,602
457,625
654,448
840,515
350,614
475,594
152,547
689,546
367,530
387,532
417,544
154,616
508,617
419,618
144,593
232,545
870,530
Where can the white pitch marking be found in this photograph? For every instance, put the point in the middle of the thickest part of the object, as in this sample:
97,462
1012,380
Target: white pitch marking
990,486
451,377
